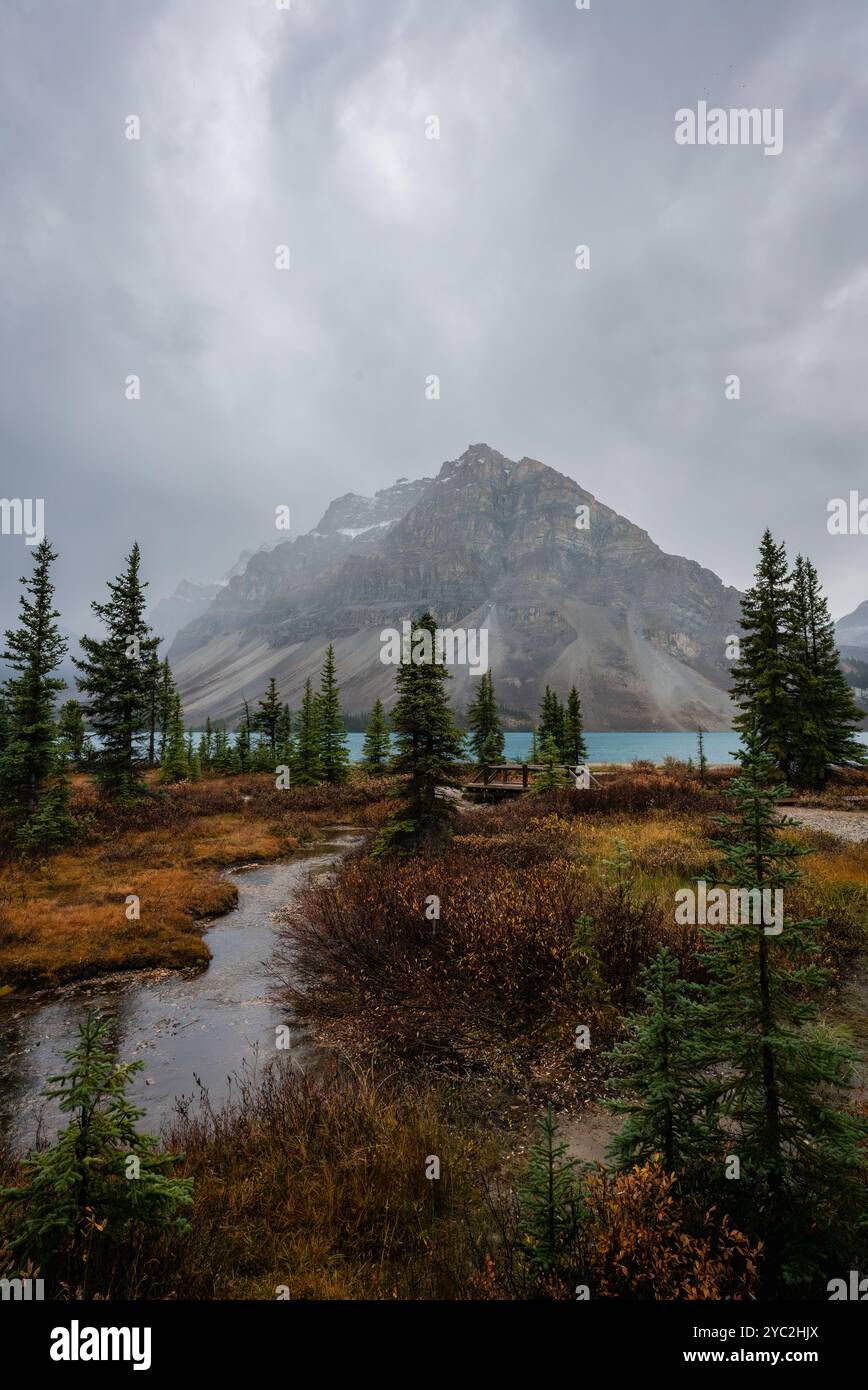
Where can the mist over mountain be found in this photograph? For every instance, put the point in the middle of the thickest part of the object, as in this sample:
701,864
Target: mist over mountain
852,632
489,543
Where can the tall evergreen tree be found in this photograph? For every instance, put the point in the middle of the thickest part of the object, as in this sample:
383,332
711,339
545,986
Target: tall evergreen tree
70,726
268,717
825,714
551,777
378,745
552,723
114,677
486,731
308,770
285,755
659,1070
761,674
262,759
574,749
243,749
153,682
33,651
206,745
333,748
165,691
176,760
52,824
701,758
221,759
775,1072
429,746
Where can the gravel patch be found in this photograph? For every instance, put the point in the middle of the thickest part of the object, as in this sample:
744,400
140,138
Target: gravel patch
847,825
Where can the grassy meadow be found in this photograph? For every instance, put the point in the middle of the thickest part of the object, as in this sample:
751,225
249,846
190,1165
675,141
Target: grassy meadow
444,1033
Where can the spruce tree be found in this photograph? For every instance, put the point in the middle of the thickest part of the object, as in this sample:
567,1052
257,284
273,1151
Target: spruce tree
332,730
660,1074
761,675
242,751
429,746
825,715
775,1073
114,677
165,690
491,752
702,760
70,726
99,1176
552,723
550,1206
262,758
486,731
206,746
551,777
284,742
221,759
574,749
378,745
175,765
308,770
153,681
268,717
33,651
52,824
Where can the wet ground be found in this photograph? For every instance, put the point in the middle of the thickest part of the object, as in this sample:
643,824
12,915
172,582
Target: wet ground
189,1028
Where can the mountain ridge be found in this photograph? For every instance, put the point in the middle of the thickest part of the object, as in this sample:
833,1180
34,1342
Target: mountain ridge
489,542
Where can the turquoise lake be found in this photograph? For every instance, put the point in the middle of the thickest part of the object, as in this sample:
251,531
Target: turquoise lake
622,747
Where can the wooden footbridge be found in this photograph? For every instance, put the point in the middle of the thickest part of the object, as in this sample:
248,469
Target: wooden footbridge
506,779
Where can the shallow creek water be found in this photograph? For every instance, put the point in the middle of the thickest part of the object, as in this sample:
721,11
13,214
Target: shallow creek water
190,1028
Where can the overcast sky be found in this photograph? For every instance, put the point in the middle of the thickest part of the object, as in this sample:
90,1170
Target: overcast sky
412,256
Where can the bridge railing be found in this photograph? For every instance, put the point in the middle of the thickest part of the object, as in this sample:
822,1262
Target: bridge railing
514,774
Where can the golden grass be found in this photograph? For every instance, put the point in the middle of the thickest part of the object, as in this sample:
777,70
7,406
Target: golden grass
670,849
319,1189
64,918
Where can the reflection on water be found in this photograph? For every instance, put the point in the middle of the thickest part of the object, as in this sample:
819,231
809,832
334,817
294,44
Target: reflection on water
188,1028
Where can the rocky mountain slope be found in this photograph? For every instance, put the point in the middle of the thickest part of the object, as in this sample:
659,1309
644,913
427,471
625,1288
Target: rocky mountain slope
488,543
852,632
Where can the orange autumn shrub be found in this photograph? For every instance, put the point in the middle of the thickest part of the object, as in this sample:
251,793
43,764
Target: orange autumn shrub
643,1243
518,945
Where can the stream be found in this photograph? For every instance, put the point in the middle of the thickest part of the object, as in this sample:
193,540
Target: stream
190,1028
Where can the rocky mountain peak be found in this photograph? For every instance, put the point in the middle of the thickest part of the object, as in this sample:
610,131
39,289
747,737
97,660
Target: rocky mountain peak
852,630
354,515
491,543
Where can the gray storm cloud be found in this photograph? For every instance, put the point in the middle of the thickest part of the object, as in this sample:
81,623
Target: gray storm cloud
410,256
